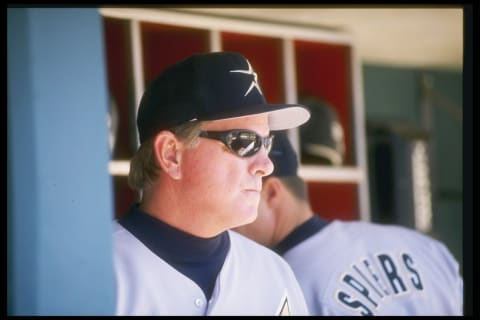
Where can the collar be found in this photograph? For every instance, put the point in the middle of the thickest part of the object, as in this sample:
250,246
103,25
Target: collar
301,233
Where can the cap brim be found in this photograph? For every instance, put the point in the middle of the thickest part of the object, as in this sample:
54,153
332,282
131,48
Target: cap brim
287,117
280,116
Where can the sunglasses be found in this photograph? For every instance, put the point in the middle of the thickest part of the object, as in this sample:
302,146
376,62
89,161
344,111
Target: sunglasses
244,143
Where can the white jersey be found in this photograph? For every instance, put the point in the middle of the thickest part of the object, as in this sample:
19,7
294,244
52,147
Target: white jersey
253,281
358,268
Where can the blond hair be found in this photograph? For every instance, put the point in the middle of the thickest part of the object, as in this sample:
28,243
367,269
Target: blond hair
143,167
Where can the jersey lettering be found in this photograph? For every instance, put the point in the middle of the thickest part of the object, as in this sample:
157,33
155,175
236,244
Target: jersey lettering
391,272
415,278
354,283
376,281
376,278
354,304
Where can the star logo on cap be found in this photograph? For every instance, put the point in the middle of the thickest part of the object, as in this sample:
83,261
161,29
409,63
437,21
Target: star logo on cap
254,83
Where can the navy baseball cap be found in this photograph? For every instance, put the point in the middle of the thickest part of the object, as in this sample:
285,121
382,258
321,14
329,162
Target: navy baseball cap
283,156
210,86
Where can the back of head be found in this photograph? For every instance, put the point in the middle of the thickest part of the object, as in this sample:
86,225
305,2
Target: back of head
283,156
285,161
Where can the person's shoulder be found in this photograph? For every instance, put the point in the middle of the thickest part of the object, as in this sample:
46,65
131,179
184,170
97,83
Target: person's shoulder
241,240
121,235
251,256
117,228
415,238
368,227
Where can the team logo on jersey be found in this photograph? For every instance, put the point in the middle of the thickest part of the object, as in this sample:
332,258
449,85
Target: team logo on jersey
284,308
254,83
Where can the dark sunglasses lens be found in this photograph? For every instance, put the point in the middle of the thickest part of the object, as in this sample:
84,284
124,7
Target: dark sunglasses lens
245,144
268,143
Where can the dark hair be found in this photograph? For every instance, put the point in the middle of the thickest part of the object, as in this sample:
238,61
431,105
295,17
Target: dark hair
296,186
144,169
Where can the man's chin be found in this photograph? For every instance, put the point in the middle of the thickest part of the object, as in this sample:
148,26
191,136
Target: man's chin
248,218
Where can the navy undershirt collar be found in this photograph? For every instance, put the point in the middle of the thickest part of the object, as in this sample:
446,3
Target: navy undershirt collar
302,232
200,259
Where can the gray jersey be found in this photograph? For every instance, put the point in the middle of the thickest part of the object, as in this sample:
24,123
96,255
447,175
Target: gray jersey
358,268
253,281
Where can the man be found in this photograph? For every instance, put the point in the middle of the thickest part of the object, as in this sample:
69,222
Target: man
351,268
204,128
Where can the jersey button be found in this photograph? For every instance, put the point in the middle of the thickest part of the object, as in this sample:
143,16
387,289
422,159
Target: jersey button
198,302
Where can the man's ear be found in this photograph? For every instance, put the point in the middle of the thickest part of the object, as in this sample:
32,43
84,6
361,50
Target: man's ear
272,191
166,148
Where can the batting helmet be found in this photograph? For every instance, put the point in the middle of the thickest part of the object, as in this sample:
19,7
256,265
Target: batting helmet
322,138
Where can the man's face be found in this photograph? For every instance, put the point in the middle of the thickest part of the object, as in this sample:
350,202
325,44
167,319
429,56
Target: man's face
223,187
